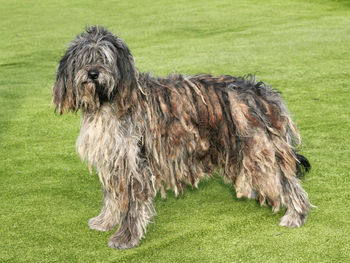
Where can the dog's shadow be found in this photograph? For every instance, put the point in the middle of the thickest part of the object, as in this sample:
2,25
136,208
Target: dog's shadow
222,198
205,185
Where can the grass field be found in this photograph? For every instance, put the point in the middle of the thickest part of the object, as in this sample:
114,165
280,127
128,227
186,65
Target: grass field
47,195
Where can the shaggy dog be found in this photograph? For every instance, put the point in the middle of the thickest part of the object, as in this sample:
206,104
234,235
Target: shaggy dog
144,134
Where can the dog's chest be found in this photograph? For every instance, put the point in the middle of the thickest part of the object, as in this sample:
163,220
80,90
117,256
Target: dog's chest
99,138
105,140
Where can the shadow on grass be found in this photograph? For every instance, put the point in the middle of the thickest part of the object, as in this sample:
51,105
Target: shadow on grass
204,184
209,188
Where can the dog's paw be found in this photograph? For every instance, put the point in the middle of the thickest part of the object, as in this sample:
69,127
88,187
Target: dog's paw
97,223
293,220
120,243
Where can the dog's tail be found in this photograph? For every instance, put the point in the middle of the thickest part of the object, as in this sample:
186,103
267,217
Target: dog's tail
303,165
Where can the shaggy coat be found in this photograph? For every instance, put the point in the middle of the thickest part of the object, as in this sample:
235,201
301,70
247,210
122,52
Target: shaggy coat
144,134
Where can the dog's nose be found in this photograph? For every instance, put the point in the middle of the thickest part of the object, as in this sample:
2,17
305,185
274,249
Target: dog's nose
93,74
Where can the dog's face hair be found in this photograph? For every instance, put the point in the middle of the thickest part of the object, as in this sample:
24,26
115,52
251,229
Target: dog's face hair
96,67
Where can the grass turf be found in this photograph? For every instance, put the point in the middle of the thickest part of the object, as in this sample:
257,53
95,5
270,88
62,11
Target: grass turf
46,195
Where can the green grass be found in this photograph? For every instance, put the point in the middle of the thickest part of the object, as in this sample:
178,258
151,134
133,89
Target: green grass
46,194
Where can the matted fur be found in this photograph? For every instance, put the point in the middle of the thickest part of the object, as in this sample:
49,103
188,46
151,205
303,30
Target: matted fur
146,134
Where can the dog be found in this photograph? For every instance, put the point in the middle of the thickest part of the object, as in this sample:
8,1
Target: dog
145,135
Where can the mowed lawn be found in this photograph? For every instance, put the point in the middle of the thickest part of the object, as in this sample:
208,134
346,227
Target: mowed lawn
301,48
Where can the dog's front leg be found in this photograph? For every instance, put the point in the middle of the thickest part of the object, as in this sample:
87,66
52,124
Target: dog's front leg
136,211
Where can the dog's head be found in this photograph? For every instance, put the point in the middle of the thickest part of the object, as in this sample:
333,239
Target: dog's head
97,67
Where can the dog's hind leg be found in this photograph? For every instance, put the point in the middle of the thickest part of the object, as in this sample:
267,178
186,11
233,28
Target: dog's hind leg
258,176
296,200
109,216
269,167
293,196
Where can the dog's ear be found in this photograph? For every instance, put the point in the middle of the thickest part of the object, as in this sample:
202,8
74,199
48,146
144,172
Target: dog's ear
128,74
62,90
125,62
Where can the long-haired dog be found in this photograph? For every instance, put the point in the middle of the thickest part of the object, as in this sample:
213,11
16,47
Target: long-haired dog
144,134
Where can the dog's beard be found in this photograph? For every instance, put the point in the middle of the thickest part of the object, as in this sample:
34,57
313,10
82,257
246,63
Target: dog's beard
92,93
89,99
